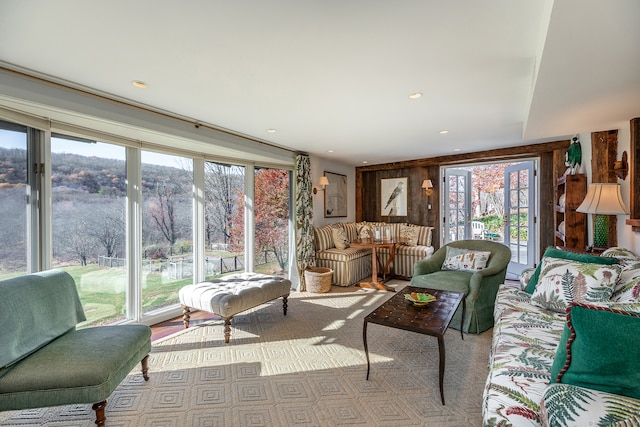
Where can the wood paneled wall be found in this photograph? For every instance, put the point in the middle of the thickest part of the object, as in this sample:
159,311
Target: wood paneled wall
368,197
634,173
418,212
604,153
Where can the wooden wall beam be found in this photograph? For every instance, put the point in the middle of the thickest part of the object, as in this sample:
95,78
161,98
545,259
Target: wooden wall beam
634,174
604,151
497,155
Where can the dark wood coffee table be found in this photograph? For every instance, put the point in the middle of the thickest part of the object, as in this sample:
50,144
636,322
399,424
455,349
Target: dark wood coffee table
432,319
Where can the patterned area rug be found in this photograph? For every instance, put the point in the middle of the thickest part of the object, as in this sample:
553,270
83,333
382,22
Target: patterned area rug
305,369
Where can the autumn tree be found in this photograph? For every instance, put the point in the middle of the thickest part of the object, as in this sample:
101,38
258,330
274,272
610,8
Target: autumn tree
271,214
488,189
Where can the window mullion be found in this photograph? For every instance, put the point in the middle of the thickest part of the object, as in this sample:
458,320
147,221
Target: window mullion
134,234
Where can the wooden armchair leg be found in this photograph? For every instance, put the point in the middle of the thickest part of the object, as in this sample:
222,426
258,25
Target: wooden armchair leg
145,368
99,408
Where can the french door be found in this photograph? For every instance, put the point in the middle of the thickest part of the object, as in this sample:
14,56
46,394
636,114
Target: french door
514,206
457,200
519,232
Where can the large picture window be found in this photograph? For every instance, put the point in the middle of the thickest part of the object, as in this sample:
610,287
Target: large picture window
167,223
271,201
13,194
119,217
88,195
224,219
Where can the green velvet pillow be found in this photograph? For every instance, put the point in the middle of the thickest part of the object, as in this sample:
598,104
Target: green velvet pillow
572,256
598,350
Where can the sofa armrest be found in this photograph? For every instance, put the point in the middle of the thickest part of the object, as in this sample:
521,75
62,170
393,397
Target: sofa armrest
525,276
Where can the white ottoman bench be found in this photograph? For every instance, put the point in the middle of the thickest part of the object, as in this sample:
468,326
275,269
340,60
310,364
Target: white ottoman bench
230,295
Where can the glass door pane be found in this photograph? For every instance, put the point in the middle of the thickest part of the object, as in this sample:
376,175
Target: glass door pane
167,228
224,219
457,205
88,181
519,215
13,194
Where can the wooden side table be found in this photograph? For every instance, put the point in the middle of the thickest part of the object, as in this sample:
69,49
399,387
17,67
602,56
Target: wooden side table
386,270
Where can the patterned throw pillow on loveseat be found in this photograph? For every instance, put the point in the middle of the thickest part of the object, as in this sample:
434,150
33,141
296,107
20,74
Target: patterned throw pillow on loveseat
623,255
563,281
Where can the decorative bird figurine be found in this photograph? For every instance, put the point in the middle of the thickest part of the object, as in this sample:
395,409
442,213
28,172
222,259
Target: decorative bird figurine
574,155
395,194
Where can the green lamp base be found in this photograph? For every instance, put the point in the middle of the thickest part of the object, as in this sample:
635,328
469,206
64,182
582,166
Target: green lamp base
601,231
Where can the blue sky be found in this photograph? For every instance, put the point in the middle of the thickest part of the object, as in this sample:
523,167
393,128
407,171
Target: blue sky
11,139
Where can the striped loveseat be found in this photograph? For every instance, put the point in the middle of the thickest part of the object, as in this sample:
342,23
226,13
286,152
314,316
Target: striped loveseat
353,264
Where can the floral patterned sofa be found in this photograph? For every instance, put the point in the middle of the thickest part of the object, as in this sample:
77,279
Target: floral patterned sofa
352,264
565,347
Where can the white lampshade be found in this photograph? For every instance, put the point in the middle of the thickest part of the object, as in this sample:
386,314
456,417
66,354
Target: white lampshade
324,181
427,184
603,199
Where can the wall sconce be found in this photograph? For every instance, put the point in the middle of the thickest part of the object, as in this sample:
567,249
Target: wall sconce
428,186
324,181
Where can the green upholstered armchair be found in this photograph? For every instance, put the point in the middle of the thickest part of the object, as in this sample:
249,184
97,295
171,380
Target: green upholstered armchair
480,287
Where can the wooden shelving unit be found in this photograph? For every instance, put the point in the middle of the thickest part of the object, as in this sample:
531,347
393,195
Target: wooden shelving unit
574,187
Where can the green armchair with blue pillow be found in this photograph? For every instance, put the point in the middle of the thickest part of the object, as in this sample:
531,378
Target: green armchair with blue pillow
475,267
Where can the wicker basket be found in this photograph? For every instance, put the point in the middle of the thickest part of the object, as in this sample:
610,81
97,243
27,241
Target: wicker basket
318,279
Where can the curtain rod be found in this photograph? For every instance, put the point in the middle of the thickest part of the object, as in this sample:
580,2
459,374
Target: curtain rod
61,83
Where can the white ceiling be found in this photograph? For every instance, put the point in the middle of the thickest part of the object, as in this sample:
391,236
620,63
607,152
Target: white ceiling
336,75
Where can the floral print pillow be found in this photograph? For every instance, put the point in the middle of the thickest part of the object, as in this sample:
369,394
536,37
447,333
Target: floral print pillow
624,255
365,231
409,235
627,288
340,239
465,260
562,282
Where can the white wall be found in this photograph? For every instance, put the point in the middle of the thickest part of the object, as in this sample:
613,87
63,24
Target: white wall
318,167
626,237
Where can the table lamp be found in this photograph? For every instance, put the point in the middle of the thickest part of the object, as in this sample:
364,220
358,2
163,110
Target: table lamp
602,199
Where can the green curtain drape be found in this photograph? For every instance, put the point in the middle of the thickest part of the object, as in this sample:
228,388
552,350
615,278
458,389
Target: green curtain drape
304,217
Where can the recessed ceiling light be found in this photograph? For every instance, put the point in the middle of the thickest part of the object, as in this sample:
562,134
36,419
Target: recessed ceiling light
329,151
272,130
442,132
139,84
364,162
415,95
456,149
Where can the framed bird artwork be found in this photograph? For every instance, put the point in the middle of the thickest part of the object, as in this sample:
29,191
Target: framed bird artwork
393,200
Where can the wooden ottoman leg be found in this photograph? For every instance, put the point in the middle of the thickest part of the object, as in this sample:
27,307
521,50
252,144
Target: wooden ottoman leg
227,329
284,304
185,316
99,408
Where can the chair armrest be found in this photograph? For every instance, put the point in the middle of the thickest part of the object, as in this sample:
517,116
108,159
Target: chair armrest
484,284
429,265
